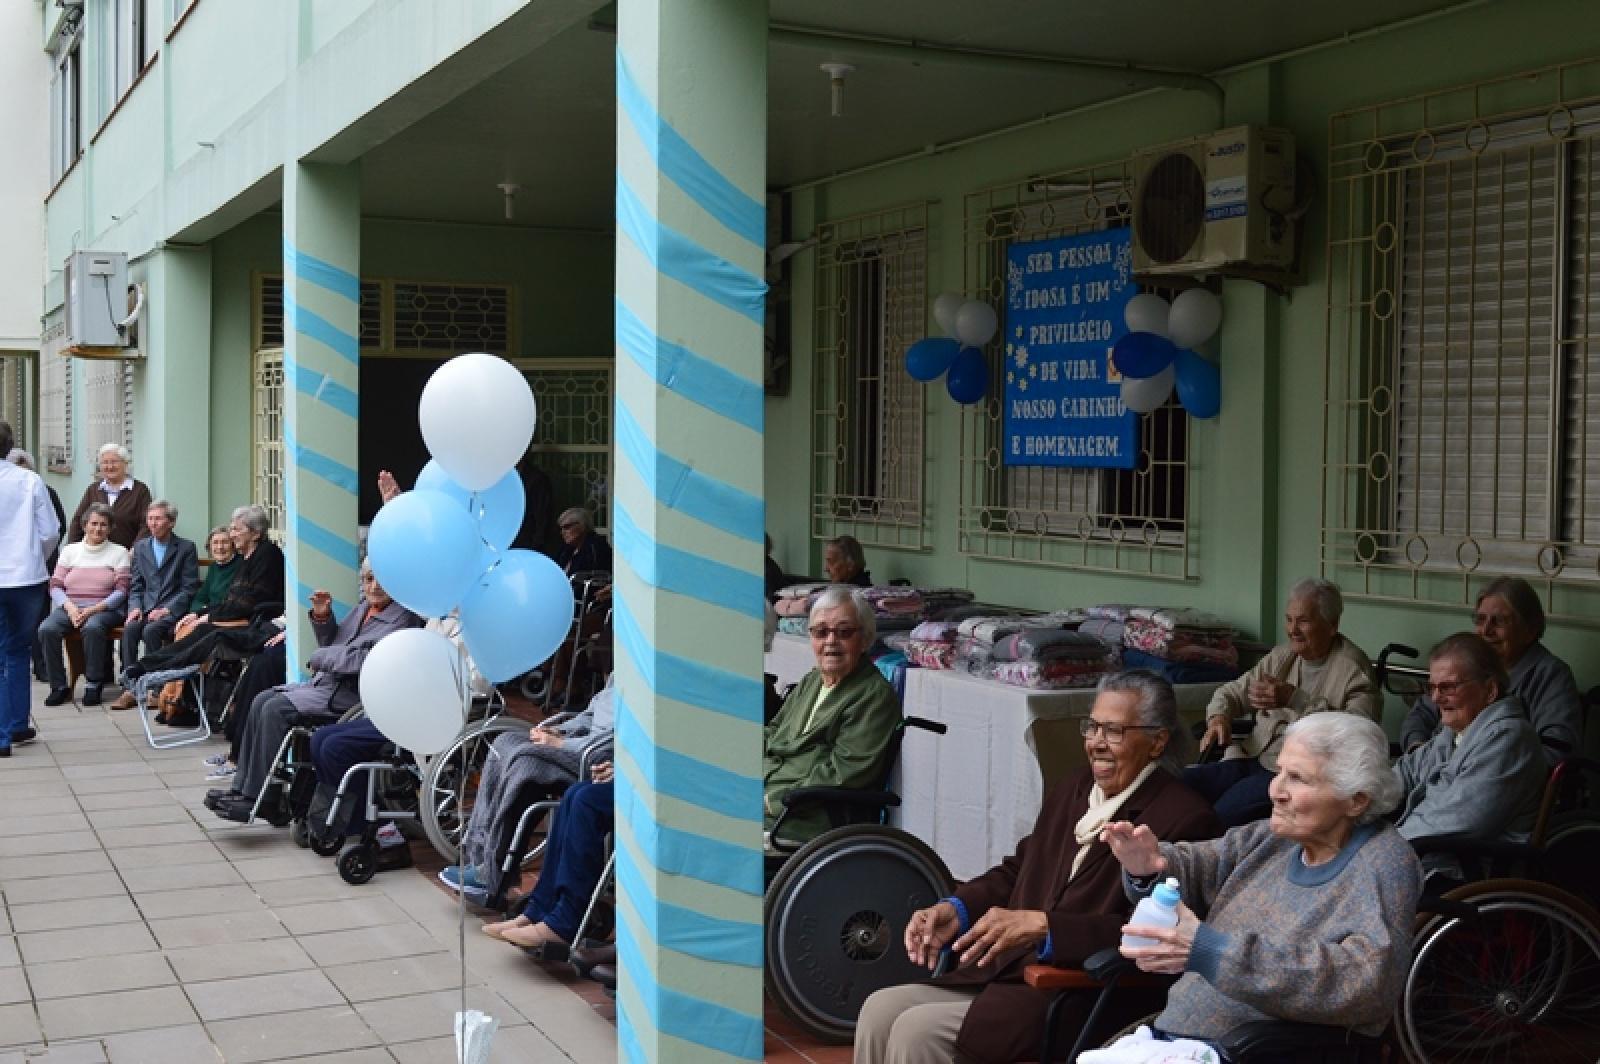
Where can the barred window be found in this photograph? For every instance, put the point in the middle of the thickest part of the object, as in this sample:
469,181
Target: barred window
1128,521
871,305
108,402
267,438
1463,432
436,316
55,401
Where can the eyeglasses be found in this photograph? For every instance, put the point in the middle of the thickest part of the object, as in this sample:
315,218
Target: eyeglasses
1446,688
821,632
1114,733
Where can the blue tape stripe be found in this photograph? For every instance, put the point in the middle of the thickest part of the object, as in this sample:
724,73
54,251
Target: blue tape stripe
685,373
684,853
632,1051
320,539
685,489
339,281
315,327
686,778
318,464
322,388
695,1020
711,938
683,573
687,168
682,680
340,609
687,262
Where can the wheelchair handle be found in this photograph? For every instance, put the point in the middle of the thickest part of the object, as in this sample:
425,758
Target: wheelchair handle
925,724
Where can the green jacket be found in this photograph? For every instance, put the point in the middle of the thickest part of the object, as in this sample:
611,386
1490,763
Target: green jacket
845,744
214,588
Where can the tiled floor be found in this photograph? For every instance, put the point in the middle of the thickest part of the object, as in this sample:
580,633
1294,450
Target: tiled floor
138,927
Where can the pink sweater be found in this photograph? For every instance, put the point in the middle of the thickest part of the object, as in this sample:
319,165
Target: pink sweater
88,575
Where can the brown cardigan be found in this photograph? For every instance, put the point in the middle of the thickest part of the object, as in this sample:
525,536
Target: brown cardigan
1085,916
127,513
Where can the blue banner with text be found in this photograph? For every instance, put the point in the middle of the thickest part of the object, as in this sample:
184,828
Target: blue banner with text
1064,310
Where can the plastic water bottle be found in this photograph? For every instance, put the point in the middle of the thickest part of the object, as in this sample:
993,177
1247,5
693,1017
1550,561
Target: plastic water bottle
1160,909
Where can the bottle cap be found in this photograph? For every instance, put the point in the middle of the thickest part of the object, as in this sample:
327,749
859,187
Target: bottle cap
1168,894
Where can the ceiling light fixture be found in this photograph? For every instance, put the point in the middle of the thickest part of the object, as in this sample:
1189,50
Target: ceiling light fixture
836,74
510,188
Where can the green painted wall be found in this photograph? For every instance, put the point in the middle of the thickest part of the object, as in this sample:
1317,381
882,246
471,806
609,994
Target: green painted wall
1257,470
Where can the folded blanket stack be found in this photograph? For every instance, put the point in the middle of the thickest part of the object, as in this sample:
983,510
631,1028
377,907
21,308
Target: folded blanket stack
939,601
1050,659
1107,631
1187,636
933,645
792,625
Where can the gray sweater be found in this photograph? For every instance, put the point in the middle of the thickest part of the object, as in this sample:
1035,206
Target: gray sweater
1281,940
1548,692
1485,788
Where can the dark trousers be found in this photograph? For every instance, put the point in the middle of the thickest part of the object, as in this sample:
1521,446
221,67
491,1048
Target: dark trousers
96,635
574,857
19,621
1236,789
335,750
266,670
152,635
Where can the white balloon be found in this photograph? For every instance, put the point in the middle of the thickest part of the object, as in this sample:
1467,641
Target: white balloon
1144,394
976,323
477,418
413,688
1147,312
1196,314
944,311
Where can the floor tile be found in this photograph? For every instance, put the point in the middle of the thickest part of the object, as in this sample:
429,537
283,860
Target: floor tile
368,944
204,963
58,915
325,887
129,800
14,988
516,1045
198,901
163,835
139,816
103,785
53,843
107,940
188,1044
255,995
107,769
398,976
216,930
86,1052
432,1015
109,1013
67,888
291,865
19,1025
184,853
290,1034
53,866
343,915
132,971
180,877
350,1056
42,824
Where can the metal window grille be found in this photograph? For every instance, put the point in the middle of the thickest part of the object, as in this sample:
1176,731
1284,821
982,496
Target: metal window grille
572,441
1461,431
55,401
868,414
270,315
108,402
13,395
446,317
1101,520
267,438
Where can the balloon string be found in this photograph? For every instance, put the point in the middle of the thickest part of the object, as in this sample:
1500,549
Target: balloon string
479,511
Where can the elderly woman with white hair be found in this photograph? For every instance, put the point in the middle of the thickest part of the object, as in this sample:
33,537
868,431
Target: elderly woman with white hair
1316,671
1308,916
128,498
835,726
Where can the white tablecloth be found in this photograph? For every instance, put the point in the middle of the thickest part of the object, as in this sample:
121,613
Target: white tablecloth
790,658
973,792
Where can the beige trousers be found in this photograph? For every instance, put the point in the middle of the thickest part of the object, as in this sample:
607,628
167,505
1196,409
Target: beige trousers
912,1024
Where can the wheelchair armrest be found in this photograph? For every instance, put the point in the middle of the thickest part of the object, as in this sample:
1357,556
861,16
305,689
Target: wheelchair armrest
1292,1039
925,724
840,795
1433,903
1099,970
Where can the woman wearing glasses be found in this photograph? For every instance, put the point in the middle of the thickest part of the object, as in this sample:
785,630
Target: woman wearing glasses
1058,899
835,726
1481,776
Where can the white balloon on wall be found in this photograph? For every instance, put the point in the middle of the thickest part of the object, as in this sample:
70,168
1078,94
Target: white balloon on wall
1196,315
477,416
976,323
1147,312
1145,394
945,308
412,688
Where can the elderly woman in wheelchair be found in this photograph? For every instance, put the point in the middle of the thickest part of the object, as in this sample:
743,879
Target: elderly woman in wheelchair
1059,897
1306,917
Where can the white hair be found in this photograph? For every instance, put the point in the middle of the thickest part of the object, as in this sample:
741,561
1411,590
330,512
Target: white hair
1323,595
113,448
1158,708
20,457
1355,758
835,597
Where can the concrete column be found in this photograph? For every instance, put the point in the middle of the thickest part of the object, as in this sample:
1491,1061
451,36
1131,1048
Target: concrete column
691,162
321,362
173,391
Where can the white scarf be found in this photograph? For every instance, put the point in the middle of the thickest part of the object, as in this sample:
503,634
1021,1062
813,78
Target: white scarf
1098,815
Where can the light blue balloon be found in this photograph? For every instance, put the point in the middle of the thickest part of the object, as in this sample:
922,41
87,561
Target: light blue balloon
498,510
926,360
425,550
516,615
1199,385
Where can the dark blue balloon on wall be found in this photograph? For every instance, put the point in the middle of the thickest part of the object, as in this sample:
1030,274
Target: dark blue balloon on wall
1142,354
1199,385
926,360
969,376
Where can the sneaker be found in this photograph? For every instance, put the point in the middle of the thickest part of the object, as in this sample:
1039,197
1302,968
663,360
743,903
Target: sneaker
215,760
221,773
58,697
452,877
389,835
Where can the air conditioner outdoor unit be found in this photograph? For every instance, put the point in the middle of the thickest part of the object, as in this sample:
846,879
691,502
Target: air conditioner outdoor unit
1223,199
98,307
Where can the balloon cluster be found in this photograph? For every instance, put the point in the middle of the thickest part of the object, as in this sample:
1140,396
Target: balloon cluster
1156,354
971,323
445,545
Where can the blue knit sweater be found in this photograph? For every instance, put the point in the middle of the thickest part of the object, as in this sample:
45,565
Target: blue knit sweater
1283,940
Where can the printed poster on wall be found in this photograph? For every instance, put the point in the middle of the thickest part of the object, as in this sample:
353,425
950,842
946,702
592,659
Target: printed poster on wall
1064,311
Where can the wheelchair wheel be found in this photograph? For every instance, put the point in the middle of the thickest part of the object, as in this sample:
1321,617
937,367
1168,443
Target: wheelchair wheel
1518,981
1567,859
451,783
834,916
358,865
325,845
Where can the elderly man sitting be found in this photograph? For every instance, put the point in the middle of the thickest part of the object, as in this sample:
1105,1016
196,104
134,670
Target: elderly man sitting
835,726
1482,776
1316,671
165,577
336,666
